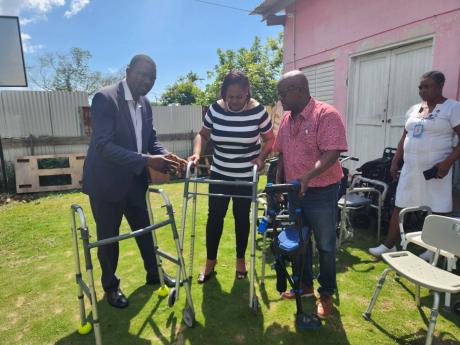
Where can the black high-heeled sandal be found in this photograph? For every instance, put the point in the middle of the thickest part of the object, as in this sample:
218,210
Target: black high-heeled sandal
241,275
203,278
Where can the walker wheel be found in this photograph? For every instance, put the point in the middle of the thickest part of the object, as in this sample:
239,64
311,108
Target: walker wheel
163,291
189,316
255,304
85,329
172,297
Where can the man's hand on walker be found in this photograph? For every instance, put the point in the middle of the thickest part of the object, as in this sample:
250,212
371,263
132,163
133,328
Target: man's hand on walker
259,162
182,162
162,164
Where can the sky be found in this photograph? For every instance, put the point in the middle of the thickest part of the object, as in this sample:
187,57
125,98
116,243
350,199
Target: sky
180,35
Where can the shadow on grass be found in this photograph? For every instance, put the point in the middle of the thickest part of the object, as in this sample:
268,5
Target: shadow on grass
227,317
115,323
331,332
419,337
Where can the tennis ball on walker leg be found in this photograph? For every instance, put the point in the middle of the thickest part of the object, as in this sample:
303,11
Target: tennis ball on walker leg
85,329
163,291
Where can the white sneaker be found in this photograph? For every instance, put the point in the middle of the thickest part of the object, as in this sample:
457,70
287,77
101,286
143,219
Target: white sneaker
382,249
427,256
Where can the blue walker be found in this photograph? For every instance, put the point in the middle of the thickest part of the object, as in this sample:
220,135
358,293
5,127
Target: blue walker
288,244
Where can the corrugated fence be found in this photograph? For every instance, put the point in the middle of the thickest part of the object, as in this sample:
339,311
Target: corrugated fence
45,123
40,122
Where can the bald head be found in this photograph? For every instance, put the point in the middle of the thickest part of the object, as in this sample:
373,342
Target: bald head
141,75
141,58
294,78
293,91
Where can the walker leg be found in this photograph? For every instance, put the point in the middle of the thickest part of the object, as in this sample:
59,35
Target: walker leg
253,254
192,232
92,290
367,313
163,289
264,253
253,239
83,328
96,325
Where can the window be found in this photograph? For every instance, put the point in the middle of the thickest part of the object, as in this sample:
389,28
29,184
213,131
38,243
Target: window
321,81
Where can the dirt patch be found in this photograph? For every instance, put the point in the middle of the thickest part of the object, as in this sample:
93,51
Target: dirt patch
20,301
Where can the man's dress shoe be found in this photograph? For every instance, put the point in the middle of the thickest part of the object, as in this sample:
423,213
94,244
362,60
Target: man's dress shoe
117,299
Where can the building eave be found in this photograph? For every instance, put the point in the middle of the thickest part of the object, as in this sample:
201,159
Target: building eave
270,8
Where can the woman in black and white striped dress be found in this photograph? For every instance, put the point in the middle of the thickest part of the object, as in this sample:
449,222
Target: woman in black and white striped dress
234,124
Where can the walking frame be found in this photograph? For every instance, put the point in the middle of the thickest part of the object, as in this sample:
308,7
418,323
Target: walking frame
357,197
288,237
88,289
193,180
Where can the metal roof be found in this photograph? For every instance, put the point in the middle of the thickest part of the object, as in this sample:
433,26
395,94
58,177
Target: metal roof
271,7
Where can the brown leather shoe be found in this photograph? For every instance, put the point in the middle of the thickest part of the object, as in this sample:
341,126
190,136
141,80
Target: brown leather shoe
305,291
324,306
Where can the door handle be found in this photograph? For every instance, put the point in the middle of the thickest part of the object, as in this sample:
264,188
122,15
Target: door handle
389,121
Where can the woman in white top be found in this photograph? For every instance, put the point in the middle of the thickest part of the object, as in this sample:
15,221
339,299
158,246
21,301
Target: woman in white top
427,142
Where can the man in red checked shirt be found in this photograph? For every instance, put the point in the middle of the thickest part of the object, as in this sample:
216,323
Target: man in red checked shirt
309,141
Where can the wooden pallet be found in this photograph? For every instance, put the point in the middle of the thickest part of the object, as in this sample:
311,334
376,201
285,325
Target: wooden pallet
30,178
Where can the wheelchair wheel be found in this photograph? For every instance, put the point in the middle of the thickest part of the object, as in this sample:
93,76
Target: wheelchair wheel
456,308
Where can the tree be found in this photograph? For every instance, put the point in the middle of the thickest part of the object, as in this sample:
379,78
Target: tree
70,72
261,63
183,91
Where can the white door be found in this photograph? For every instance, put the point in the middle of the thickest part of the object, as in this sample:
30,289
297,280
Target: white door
382,88
368,106
407,65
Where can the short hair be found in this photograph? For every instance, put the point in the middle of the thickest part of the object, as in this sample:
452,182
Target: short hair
437,76
235,77
141,57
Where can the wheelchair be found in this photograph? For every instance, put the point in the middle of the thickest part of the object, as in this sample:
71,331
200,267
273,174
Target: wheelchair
372,190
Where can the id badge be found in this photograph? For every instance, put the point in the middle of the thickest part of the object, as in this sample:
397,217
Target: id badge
418,130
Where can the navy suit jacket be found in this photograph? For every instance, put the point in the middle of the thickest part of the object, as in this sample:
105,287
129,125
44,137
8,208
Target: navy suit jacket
113,164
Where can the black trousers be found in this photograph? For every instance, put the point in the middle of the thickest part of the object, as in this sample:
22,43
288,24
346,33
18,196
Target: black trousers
108,217
217,209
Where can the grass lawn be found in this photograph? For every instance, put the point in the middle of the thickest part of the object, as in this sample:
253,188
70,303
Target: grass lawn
38,302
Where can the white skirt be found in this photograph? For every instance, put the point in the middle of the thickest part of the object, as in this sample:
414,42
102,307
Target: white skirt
414,190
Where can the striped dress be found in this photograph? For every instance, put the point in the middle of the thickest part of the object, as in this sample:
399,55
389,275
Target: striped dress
236,138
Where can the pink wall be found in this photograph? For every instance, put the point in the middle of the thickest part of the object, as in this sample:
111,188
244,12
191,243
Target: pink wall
319,31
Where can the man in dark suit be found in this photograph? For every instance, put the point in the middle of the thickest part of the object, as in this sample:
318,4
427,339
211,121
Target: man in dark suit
123,145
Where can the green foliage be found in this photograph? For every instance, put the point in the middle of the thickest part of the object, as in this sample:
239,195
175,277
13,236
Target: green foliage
70,72
261,63
184,91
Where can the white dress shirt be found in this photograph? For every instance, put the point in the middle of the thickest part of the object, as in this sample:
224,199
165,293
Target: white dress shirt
135,108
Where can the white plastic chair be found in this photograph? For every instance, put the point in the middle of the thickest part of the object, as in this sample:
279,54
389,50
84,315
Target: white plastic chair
416,238
442,233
